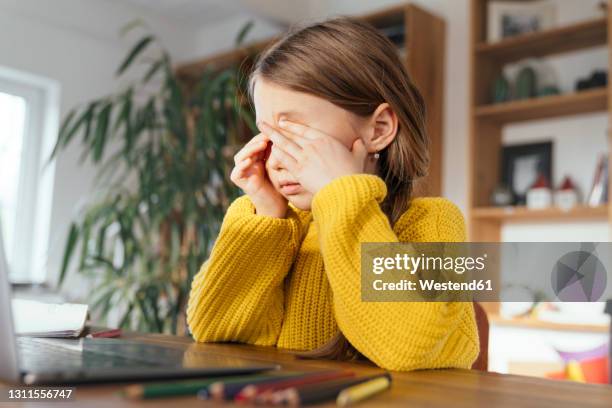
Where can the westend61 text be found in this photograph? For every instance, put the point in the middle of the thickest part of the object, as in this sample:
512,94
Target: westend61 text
430,284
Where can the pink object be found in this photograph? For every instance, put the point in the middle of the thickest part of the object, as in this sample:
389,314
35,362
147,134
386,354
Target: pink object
597,352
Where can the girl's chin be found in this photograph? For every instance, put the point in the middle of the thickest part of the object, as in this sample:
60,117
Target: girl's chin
301,201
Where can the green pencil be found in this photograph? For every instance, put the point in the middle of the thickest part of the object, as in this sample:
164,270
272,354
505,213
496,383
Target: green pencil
178,388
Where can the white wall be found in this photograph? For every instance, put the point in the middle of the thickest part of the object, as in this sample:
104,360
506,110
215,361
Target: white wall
77,45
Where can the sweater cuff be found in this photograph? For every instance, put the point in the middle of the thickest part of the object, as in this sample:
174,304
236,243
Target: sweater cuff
352,192
242,214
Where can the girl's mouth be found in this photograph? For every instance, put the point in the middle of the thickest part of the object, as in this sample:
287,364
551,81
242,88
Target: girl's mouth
290,188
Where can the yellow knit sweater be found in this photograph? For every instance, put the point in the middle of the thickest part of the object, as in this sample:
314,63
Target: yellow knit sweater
293,282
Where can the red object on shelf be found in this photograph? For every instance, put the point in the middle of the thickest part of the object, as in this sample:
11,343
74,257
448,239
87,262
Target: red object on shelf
541,182
567,184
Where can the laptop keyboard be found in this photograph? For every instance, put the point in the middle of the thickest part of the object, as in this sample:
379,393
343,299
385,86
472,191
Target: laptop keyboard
41,355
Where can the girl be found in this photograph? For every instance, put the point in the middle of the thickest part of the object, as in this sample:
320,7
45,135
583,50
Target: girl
346,130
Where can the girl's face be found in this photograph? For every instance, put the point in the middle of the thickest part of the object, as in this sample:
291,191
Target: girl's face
273,102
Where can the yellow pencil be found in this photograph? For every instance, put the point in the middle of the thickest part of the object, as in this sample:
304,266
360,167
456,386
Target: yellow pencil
363,391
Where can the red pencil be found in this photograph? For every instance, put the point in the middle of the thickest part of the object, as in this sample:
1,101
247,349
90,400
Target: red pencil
260,393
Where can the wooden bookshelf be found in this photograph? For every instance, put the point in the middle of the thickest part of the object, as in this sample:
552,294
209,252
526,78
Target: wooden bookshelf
534,323
593,100
520,213
487,120
423,54
560,40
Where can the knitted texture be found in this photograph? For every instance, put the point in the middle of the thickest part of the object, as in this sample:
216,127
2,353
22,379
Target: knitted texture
294,282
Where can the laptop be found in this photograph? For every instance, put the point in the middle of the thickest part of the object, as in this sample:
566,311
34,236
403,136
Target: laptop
29,360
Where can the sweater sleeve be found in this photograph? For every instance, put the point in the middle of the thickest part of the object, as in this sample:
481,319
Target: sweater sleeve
238,293
394,335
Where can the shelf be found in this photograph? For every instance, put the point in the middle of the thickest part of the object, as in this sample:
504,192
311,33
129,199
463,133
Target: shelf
588,101
533,323
573,37
579,213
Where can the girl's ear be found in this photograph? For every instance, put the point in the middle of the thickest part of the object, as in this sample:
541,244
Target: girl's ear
382,128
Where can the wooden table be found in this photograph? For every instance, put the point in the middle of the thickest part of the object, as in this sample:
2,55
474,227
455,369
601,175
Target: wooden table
431,388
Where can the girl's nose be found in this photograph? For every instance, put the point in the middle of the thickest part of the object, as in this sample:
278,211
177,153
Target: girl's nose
273,162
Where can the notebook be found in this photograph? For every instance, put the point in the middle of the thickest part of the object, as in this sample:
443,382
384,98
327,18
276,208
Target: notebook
38,319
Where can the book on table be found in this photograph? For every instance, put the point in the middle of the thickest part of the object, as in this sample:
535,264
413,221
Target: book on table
38,319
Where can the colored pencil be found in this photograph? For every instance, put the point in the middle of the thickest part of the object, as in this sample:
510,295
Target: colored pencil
317,393
170,389
260,393
187,387
363,391
228,389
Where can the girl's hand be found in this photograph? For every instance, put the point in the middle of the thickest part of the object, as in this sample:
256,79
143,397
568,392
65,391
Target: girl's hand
249,174
313,157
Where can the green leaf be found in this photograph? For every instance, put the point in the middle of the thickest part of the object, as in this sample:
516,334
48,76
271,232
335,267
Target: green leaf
124,319
101,132
126,106
153,70
89,118
62,132
138,48
73,236
67,137
243,32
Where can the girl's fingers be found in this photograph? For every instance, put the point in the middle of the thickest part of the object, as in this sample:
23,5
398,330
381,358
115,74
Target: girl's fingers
300,130
241,169
282,142
250,149
244,163
241,166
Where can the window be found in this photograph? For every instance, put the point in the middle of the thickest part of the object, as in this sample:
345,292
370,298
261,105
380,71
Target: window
12,123
27,131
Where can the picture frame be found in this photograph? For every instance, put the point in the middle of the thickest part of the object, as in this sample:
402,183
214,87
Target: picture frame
510,18
521,165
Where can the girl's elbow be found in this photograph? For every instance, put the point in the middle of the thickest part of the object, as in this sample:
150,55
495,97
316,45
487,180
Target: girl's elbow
414,362
458,353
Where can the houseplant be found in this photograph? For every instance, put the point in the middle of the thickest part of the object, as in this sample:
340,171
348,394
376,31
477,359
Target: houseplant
164,154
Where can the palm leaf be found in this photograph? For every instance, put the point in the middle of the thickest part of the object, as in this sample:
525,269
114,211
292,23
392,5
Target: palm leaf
153,70
73,235
243,33
101,131
138,48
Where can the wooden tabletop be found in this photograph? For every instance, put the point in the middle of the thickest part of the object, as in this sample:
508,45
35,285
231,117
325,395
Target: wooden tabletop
431,388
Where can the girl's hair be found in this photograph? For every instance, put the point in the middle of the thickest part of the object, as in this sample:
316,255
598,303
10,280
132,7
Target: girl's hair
350,64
